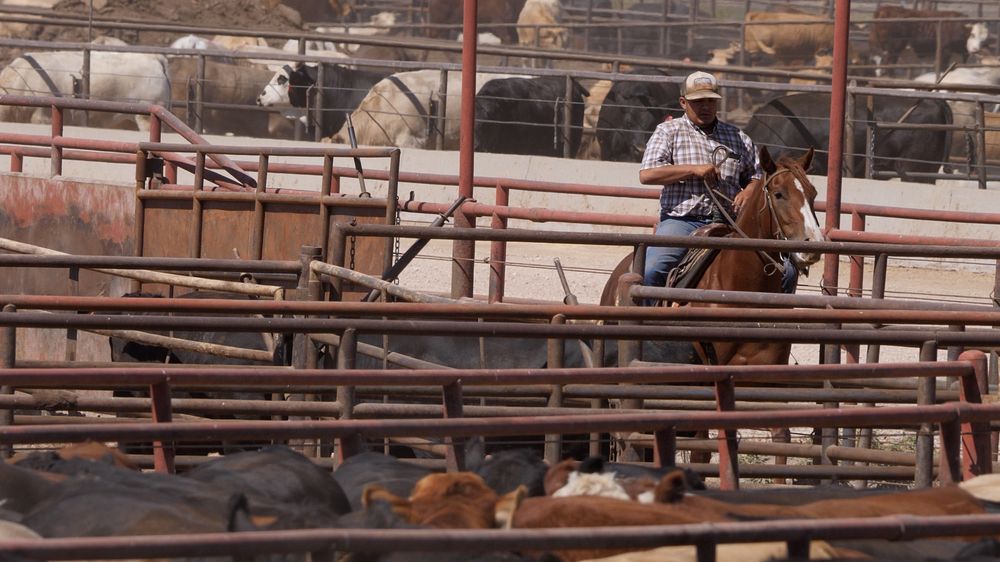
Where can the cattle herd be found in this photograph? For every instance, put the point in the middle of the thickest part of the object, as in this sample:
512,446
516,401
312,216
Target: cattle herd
255,92
90,490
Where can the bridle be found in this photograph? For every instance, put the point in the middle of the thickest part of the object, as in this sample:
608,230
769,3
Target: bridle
778,231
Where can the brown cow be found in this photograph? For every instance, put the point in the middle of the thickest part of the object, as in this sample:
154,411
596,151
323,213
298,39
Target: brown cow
459,500
678,507
888,39
787,42
494,11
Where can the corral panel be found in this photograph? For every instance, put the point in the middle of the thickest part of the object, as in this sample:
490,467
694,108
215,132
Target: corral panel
227,230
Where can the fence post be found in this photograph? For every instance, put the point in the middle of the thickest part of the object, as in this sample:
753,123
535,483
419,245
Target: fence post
347,353
976,436
85,83
55,164
8,353
567,116
199,96
498,248
981,144
442,110
926,395
729,462
163,451
318,106
556,360
454,456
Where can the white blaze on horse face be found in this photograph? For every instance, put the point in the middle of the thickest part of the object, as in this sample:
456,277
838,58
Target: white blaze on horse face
810,228
276,91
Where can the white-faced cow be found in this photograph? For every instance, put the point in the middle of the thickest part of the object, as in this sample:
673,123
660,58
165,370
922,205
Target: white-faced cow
400,110
888,39
343,89
527,116
121,77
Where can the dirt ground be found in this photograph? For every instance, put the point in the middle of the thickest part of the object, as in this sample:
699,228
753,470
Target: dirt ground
238,15
530,274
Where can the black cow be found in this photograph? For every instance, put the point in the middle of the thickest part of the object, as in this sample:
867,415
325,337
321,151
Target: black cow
525,116
275,477
123,350
365,469
793,123
343,89
630,113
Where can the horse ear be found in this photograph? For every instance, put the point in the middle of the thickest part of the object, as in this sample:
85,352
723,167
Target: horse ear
766,162
806,160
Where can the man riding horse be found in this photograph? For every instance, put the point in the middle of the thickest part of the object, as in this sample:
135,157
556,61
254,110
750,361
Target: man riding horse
688,155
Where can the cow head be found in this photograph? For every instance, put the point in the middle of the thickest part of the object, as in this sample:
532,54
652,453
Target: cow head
452,500
289,85
978,37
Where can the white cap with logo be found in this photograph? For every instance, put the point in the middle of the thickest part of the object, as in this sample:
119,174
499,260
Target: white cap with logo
701,85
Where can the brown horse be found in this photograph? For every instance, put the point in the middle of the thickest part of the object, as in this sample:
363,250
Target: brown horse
780,207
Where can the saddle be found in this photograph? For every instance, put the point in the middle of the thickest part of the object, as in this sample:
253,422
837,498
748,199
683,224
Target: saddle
689,271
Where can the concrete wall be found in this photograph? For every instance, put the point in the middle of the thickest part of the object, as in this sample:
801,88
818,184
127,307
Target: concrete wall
955,196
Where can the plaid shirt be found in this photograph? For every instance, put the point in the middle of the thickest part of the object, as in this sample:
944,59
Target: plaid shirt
678,141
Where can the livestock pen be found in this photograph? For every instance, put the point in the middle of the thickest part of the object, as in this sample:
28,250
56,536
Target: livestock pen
470,402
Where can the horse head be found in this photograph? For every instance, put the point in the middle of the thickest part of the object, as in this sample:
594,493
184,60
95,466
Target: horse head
789,196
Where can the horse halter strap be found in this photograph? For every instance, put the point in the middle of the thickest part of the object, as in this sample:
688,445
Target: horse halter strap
732,222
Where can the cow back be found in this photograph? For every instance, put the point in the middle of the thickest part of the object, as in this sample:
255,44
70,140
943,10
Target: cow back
525,116
630,113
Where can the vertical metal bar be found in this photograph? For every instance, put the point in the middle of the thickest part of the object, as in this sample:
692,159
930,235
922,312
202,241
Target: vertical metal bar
729,467
257,239
498,248
464,251
665,447
870,126
338,253
454,456
199,96
926,395
139,215
556,360
324,209
856,284
318,107
347,353
567,116
163,451
838,101
938,63
664,18
981,145
976,436
879,272
850,126
8,354
16,162
442,110
950,461
589,20
391,207
705,552
71,333
197,218
85,83
55,164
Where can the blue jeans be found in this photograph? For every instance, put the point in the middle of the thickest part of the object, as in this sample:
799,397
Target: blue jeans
660,259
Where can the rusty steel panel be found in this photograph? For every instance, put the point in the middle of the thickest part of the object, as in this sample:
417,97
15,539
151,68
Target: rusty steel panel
168,228
76,217
227,230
